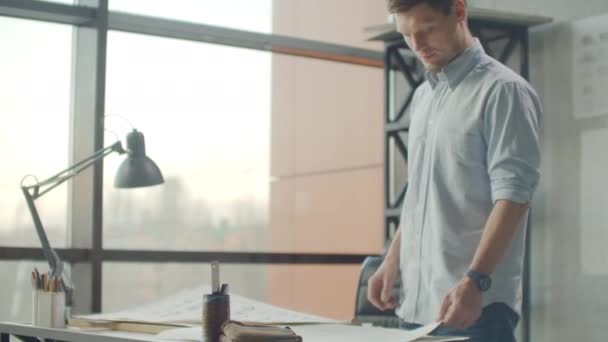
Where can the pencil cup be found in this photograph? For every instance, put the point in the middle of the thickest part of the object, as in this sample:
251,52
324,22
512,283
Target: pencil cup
51,309
216,311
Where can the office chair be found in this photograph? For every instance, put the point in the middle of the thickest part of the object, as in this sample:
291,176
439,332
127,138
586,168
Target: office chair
366,312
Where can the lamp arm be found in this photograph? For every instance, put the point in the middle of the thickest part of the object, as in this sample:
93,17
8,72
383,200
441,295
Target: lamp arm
48,252
32,192
56,180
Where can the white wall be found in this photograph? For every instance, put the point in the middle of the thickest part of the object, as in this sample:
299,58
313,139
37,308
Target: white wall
569,232
557,9
569,272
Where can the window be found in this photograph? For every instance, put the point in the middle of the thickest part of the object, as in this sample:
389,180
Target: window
206,113
204,110
244,15
296,287
34,111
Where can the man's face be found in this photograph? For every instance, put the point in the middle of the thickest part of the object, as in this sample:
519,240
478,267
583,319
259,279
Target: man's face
431,34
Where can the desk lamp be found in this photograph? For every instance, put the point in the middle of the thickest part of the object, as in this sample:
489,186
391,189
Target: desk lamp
137,170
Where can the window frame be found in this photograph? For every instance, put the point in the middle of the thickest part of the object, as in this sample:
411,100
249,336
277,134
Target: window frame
91,25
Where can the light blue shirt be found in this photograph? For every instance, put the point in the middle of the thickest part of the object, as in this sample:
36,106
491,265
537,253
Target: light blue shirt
473,139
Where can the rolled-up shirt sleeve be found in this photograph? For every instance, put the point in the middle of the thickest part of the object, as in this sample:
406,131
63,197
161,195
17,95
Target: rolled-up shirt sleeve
511,129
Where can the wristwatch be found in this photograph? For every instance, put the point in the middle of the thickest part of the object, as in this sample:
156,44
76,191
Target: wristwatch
483,281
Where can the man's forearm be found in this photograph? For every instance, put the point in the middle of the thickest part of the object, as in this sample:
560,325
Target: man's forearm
393,252
500,228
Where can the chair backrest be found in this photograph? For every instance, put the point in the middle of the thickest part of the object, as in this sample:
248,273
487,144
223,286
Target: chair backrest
365,311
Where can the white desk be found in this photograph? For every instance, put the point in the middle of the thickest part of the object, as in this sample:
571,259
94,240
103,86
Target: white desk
310,333
28,332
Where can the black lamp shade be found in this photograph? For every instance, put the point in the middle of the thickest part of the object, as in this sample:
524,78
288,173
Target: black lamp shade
137,170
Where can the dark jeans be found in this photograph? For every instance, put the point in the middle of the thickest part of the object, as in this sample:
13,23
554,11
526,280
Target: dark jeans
496,324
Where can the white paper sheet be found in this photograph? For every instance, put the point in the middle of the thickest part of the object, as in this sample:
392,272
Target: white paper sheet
352,333
187,307
333,333
441,339
590,66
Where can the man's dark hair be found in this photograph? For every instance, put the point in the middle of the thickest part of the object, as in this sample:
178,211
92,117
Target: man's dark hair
398,6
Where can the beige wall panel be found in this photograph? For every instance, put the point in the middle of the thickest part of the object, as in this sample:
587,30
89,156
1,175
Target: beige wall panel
281,225
339,116
328,291
280,285
283,17
326,156
333,21
283,118
325,116
324,290
329,213
339,213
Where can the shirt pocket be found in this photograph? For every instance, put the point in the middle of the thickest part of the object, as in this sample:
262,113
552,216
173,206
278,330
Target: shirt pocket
416,148
467,148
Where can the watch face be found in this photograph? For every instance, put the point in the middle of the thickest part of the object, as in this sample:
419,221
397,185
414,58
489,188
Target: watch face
481,280
484,283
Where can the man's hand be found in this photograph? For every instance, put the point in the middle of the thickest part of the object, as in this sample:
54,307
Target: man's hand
380,285
461,307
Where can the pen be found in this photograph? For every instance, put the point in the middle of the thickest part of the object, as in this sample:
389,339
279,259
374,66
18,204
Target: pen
38,283
215,277
35,294
52,285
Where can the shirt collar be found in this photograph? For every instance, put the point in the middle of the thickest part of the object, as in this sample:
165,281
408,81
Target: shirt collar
458,68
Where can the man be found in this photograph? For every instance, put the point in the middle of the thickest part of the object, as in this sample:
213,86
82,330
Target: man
473,166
